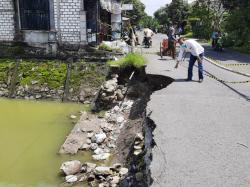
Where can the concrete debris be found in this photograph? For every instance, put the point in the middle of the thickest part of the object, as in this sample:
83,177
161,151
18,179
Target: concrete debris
103,156
100,138
71,167
123,171
71,178
98,175
102,171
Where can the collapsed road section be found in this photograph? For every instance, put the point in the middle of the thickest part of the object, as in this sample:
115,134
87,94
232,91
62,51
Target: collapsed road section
119,134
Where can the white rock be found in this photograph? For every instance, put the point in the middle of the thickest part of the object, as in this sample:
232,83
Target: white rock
71,178
98,151
116,109
73,116
100,137
115,180
93,146
110,145
90,134
138,147
123,171
137,152
88,141
34,82
103,156
139,137
71,167
127,105
38,96
120,119
102,170
90,166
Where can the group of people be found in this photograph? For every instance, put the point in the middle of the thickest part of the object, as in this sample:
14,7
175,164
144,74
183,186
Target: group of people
186,46
193,47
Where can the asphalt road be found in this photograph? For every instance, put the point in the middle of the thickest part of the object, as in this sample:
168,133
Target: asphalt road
202,130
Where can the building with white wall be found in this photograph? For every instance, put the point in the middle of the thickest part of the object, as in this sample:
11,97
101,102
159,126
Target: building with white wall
52,23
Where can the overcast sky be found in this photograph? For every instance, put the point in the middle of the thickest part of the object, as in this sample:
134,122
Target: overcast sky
153,5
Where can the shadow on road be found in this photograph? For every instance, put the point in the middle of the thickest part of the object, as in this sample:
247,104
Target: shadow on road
231,88
184,80
226,55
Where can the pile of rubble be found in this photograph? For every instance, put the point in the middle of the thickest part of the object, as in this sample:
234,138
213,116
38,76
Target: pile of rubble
4,92
111,92
101,176
96,134
103,142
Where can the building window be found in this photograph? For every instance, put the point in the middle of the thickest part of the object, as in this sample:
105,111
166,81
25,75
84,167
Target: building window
34,14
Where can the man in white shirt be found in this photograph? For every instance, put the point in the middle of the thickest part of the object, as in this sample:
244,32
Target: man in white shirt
197,53
148,33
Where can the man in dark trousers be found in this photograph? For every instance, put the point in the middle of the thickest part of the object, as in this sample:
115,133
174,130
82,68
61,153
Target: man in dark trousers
197,54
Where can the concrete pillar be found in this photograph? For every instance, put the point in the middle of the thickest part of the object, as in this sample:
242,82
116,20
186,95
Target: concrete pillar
83,29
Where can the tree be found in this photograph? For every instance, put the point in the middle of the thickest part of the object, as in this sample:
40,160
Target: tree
210,15
237,24
178,11
175,13
138,13
161,15
149,22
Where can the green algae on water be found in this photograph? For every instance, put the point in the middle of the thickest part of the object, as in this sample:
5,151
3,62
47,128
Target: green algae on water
31,134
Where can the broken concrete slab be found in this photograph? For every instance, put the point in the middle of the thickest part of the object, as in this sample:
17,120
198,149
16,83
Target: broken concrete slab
79,135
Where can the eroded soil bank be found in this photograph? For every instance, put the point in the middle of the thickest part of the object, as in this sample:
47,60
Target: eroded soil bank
122,133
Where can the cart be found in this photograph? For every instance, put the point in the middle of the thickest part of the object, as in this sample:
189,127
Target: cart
165,50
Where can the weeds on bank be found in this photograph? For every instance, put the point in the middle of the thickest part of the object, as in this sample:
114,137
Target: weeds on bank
130,60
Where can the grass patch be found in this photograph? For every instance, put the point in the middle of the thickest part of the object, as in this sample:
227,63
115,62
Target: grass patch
130,60
51,72
88,74
105,47
6,67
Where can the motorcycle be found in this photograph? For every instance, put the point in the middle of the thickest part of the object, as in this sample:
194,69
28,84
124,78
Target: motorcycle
147,41
219,44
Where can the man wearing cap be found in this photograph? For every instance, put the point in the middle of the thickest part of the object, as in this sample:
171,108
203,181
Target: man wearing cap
197,53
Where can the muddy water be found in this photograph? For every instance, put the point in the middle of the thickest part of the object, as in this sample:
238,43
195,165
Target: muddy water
30,136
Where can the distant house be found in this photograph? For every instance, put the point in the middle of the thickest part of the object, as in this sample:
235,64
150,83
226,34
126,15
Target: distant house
53,23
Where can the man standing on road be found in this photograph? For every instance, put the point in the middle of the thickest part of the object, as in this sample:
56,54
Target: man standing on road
197,53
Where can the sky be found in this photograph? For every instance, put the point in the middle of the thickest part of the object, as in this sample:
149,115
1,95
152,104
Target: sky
153,5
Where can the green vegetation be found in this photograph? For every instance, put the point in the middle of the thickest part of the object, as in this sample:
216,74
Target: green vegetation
105,47
137,13
202,17
88,74
175,13
150,22
5,69
51,72
130,60
237,25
